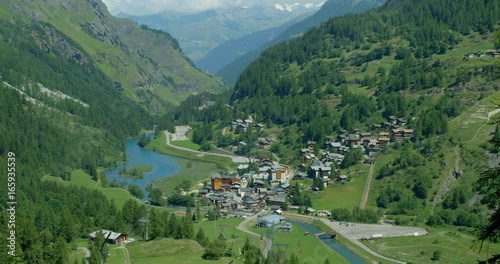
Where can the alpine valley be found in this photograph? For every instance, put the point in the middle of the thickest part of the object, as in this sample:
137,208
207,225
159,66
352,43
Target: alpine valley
366,132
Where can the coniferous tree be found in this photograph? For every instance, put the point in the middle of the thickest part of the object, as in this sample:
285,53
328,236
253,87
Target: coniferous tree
172,225
187,225
201,238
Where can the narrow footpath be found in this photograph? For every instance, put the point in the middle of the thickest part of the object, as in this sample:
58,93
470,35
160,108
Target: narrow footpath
366,191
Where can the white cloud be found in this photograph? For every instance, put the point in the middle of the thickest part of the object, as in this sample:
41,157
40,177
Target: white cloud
308,5
279,7
286,7
147,7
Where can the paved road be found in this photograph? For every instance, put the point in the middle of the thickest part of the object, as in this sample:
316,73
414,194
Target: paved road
366,192
235,159
242,226
354,233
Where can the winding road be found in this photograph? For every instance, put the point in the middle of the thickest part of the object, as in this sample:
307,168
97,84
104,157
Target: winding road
234,158
242,227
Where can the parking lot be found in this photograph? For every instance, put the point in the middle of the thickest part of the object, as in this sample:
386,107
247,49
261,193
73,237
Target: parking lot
359,231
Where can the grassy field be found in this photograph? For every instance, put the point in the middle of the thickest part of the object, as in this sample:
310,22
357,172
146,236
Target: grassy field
136,172
342,196
166,251
186,144
80,178
473,126
455,247
187,251
158,144
233,236
77,254
195,171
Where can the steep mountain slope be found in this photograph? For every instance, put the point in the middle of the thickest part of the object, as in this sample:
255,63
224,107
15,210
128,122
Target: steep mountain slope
58,113
147,64
201,32
331,8
218,57
423,73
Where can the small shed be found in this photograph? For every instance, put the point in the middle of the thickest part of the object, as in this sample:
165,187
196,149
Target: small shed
110,236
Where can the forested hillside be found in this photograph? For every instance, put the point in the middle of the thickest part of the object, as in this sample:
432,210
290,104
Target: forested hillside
145,64
430,63
58,113
331,8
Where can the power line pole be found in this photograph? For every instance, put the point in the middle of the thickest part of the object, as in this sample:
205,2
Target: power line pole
221,235
270,238
281,253
102,246
145,223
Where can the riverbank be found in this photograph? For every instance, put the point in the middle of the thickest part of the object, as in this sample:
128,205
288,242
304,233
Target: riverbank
352,244
194,171
159,145
194,168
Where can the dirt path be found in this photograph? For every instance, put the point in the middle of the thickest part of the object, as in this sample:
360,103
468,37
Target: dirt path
236,159
87,253
242,227
126,257
366,191
490,114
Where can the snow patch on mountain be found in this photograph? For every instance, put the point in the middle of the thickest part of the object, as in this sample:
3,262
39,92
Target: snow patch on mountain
287,7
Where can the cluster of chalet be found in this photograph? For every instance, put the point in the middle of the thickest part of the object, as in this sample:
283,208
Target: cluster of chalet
333,150
321,170
265,143
245,125
233,192
479,54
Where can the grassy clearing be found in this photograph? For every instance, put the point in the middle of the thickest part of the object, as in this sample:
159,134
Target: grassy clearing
142,167
454,246
473,126
186,251
159,144
78,254
80,178
308,248
195,171
186,144
342,196
166,251
234,237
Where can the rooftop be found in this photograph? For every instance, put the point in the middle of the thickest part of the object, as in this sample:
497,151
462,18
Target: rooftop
107,234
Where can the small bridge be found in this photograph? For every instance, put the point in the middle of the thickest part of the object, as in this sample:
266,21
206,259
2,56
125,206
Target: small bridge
330,234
